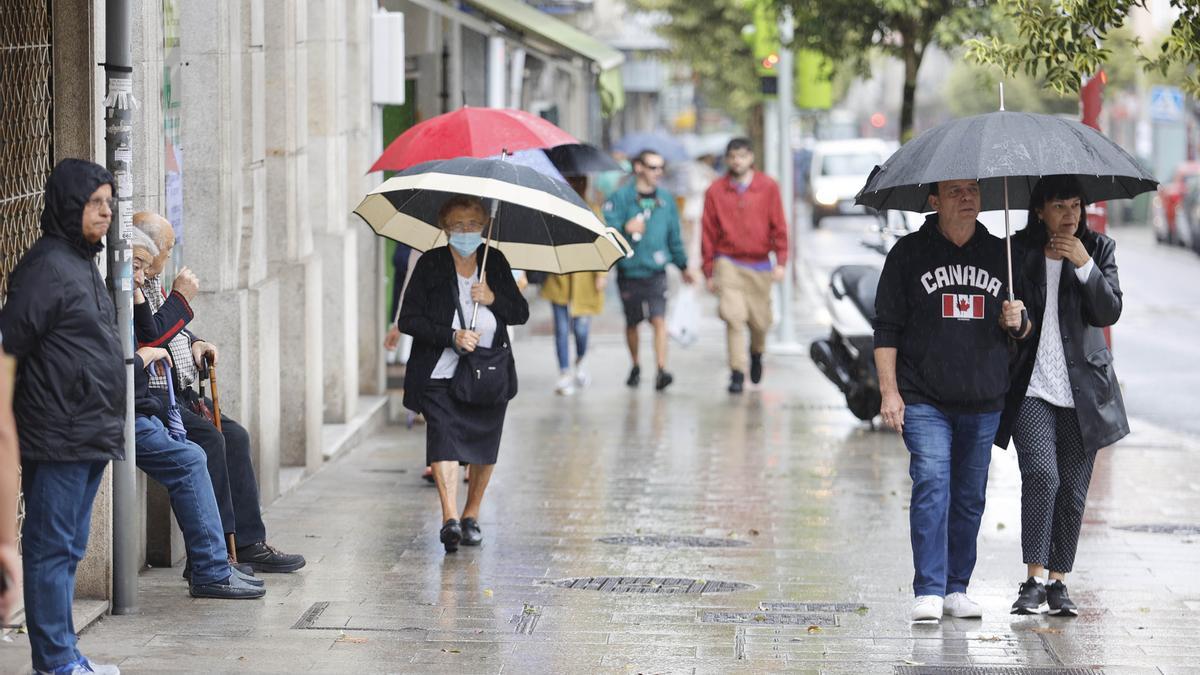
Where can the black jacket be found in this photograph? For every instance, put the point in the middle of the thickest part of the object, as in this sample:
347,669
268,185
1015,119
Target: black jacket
61,324
1084,309
427,312
939,305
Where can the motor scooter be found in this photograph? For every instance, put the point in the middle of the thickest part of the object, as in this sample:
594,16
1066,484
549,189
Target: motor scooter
847,356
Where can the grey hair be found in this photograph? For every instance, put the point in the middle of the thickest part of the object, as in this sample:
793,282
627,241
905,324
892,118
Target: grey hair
141,239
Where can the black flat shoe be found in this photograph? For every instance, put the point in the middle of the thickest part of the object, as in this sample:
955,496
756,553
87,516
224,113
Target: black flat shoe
451,534
635,377
471,534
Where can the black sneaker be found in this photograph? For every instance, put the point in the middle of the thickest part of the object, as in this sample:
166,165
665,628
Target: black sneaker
755,368
663,380
1030,596
1059,602
229,588
736,380
635,377
262,557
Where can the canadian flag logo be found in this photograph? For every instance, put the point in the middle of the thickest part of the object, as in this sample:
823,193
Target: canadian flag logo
960,306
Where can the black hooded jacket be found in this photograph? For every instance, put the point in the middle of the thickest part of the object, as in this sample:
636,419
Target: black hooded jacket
61,325
939,305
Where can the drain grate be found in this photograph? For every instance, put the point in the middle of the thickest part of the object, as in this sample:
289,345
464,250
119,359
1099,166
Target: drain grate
527,620
652,585
770,618
1161,528
308,621
385,470
672,541
992,670
812,607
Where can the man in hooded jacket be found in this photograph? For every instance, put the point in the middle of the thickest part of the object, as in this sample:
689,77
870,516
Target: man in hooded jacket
69,402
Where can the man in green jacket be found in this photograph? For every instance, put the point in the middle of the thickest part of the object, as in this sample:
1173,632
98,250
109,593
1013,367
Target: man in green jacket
647,217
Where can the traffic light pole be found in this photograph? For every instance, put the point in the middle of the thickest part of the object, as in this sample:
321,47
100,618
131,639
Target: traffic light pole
786,333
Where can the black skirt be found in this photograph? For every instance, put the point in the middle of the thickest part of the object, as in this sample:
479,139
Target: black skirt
457,432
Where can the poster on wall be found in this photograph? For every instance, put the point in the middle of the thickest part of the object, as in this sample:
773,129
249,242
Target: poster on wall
171,115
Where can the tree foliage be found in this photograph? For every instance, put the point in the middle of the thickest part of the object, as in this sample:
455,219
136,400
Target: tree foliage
852,31
707,35
1064,40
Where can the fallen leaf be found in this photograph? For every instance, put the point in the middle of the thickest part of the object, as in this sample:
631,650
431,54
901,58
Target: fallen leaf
753,532
350,639
1046,630
760,618
452,651
862,611
913,663
989,638
488,592
814,629
1000,526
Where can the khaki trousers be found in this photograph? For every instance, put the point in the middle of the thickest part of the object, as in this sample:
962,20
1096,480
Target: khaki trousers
745,302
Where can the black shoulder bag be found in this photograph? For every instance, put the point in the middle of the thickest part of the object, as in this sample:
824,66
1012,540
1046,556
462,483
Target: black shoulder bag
486,376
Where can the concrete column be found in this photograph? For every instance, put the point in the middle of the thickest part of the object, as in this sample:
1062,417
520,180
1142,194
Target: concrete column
297,317
327,140
265,388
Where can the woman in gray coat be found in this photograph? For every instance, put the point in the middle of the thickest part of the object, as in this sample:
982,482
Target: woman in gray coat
1064,404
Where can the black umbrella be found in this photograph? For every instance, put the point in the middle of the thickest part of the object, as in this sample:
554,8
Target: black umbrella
580,159
539,223
1008,152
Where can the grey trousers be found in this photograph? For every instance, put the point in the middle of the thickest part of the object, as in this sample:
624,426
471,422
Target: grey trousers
1055,472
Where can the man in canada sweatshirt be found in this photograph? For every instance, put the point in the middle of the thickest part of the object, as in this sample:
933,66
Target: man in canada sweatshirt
941,348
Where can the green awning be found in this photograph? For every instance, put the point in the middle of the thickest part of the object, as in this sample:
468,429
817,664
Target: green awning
516,14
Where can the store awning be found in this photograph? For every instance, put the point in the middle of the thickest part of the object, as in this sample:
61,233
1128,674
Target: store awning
523,18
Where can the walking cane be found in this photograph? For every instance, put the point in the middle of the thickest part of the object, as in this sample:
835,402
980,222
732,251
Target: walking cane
216,397
230,539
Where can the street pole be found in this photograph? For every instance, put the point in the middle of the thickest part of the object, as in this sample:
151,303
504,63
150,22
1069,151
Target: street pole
785,336
118,123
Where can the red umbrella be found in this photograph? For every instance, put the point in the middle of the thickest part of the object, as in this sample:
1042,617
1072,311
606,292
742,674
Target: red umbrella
470,132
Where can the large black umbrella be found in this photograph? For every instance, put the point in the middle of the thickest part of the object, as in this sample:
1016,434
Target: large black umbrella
580,159
539,223
1008,152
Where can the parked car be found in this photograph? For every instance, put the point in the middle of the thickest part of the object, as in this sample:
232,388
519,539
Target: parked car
1169,205
839,170
1189,212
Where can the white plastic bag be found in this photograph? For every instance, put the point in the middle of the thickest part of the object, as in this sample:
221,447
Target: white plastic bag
683,321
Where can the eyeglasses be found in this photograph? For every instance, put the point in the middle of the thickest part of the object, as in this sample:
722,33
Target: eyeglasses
96,202
465,226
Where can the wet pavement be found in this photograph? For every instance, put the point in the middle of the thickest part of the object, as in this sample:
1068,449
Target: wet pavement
629,531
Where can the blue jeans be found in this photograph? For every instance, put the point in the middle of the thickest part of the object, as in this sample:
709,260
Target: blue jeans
564,325
58,515
182,468
949,456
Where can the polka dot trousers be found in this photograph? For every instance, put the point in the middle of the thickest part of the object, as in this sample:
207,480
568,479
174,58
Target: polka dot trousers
1055,472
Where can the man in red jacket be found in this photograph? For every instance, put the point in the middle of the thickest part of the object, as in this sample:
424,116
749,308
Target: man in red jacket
743,224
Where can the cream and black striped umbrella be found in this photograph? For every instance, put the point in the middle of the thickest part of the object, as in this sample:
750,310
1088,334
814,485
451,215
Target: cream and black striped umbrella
539,223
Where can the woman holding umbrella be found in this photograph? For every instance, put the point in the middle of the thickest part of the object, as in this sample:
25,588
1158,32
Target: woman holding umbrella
445,285
1065,403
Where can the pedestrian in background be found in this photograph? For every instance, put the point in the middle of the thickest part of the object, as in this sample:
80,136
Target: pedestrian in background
69,402
444,288
743,224
647,217
941,349
575,298
1065,403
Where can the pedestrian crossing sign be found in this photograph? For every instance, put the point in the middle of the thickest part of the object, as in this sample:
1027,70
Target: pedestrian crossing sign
1166,104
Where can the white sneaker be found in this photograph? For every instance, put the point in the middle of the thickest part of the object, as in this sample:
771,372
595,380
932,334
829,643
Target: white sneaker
582,378
565,386
927,608
960,606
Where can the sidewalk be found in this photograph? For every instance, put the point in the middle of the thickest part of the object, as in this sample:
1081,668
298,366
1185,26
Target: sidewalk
789,532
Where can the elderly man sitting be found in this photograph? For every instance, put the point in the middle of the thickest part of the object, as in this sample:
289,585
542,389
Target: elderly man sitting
177,463
228,449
